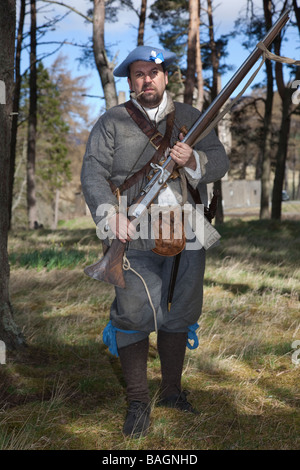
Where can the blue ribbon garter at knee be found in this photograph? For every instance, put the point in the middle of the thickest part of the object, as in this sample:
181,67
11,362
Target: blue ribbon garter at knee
192,336
109,337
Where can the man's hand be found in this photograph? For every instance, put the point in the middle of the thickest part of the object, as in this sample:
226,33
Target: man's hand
121,227
183,154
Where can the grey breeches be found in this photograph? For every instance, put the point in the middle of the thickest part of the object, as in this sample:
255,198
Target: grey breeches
131,309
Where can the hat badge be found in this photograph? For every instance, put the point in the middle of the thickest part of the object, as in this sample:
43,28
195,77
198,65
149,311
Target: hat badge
157,58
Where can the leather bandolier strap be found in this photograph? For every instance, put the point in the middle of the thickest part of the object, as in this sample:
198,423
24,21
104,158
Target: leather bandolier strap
159,142
173,245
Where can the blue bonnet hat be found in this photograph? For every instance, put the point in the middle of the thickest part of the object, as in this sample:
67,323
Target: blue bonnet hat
146,53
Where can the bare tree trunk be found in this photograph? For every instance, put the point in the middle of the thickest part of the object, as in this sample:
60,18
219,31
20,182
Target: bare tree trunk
9,332
297,195
142,20
191,52
285,95
281,157
32,122
199,71
215,59
16,100
266,144
56,207
17,199
297,13
104,67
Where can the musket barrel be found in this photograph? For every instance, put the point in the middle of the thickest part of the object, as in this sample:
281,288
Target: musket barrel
109,268
208,115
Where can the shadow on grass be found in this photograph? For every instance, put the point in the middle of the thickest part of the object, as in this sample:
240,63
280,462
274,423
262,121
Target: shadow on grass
239,288
59,397
221,426
66,391
264,241
47,237
74,396
54,249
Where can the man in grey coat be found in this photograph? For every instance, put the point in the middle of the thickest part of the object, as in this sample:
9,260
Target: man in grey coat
117,149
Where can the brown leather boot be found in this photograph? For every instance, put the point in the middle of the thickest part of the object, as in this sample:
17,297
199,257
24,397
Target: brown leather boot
171,348
133,360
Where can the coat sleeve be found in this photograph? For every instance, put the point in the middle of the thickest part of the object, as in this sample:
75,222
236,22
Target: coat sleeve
214,162
96,170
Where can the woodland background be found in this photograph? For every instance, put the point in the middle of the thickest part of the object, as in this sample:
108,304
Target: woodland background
260,133
56,387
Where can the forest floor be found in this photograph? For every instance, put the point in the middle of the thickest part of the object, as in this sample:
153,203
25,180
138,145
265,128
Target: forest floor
66,391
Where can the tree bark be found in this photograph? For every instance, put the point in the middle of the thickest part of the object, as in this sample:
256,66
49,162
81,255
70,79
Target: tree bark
281,157
285,95
199,70
297,13
191,52
9,332
215,59
56,208
216,88
266,143
32,122
142,20
104,67
16,100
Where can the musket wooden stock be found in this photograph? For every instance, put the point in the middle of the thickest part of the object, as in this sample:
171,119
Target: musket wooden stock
110,267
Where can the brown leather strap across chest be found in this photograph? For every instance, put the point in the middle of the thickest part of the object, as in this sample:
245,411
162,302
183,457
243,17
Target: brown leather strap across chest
144,124
160,143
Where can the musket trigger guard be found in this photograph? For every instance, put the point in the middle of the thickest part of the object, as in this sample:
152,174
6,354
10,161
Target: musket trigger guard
157,167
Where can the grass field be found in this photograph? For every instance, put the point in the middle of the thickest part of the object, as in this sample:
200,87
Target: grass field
65,391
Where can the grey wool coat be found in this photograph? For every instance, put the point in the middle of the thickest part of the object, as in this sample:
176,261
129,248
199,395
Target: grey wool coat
117,148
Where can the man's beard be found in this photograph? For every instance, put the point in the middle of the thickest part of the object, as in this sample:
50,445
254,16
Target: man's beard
150,100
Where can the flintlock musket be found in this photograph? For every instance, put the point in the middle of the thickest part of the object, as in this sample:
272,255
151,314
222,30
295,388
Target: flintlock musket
110,267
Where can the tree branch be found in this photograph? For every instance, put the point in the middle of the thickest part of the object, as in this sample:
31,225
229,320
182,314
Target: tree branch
88,18
63,43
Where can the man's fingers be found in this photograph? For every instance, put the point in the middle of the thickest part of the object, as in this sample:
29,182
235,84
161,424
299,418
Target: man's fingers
131,230
121,227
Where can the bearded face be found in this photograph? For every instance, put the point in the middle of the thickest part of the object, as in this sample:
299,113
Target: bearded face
148,80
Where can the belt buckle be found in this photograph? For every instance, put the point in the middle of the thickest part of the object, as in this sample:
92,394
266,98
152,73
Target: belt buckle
153,137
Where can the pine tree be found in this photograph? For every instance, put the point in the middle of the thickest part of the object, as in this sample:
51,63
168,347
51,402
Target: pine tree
52,162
